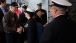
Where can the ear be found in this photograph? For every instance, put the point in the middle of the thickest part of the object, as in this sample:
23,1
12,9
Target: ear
55,10
10,7
24,13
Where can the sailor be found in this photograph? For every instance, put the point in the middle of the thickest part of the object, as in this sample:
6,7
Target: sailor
61,29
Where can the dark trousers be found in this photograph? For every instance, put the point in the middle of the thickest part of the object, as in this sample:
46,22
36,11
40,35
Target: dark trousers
23,37
13,38
2,37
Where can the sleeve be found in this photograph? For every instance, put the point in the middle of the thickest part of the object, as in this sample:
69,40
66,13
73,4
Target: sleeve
7,25
45,16
22,19
32,32
47,36
1,15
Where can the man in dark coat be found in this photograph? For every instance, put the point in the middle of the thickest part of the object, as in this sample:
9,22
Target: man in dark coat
2,12
61,29
11,25
22,21
22,17
44,13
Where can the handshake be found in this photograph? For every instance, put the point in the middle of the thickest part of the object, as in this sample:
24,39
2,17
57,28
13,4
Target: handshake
19,30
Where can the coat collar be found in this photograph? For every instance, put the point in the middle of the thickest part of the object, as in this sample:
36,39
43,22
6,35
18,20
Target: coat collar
60,15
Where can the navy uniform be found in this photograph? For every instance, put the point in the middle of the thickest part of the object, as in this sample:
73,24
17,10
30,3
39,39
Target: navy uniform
22,17
38,19
44,14
61,29
23,20
31,27
31,31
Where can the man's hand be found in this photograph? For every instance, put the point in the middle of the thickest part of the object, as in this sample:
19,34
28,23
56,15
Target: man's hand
19,29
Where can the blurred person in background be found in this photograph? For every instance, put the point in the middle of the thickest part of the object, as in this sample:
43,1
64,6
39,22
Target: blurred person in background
44,13
39,23
2,13
22,21
38,17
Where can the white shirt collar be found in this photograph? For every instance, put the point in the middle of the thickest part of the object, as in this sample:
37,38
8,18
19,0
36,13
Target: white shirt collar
59,15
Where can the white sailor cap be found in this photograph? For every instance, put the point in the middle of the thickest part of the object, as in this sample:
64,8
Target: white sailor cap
30,10
24,5
61,3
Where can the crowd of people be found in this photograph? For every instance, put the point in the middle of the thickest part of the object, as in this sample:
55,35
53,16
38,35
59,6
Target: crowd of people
18,25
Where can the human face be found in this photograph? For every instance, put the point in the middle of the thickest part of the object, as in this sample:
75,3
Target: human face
3,4
27,15
39,13
39,7
13,8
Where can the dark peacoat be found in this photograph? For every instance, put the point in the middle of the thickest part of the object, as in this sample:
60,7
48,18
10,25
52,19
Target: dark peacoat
31,31
44,15
60,30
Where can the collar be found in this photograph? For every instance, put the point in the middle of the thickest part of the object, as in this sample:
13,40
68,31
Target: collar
1,7
59,15
12,12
